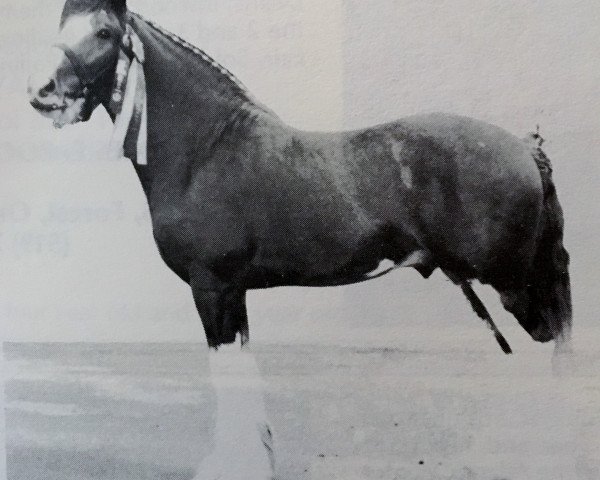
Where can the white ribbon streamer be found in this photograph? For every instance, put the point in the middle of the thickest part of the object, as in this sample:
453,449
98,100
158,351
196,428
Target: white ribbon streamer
134,106
123,119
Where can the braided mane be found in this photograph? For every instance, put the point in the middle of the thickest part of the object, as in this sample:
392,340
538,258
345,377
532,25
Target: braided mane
201,54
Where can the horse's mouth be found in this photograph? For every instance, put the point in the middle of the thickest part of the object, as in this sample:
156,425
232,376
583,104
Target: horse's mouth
48,108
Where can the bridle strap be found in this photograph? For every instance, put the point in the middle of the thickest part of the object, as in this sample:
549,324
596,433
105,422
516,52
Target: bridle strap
83,73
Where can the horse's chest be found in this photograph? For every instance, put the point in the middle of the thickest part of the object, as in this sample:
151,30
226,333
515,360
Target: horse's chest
190,234
171,227
173,233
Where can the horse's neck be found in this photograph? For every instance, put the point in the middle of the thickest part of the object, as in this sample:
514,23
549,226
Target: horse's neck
190,102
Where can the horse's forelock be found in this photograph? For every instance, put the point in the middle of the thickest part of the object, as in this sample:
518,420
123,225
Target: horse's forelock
80,7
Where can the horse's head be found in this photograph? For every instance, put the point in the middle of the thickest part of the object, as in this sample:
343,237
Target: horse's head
84,57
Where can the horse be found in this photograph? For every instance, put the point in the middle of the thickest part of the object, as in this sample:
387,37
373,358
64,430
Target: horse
239,200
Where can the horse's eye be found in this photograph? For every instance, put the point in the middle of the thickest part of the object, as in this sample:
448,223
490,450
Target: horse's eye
104,34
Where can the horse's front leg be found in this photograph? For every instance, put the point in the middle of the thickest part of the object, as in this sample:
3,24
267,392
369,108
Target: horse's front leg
243,442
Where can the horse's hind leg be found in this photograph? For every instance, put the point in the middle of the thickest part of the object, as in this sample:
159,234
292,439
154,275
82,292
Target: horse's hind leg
482,313
243,441
545,318
479,309
542,315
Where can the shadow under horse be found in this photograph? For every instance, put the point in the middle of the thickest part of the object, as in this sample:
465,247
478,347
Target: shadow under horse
239,200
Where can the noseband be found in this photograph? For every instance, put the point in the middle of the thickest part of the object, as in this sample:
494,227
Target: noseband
83,73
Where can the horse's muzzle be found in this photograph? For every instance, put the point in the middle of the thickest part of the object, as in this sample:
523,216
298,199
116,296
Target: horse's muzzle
44,97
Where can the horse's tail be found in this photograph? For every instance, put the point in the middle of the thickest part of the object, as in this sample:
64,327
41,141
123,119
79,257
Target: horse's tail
543,305
548,285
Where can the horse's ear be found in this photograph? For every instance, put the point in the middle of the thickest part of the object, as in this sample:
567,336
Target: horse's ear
119,6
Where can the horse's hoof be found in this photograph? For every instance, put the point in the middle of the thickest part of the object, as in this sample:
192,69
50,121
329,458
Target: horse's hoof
245,461
563,359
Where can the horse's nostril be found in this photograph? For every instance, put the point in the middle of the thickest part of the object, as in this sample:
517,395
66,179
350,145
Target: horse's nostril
48,88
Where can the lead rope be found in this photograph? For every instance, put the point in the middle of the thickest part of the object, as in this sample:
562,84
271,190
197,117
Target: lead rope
129,102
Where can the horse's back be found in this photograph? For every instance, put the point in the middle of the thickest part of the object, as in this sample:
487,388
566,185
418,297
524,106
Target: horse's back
471,192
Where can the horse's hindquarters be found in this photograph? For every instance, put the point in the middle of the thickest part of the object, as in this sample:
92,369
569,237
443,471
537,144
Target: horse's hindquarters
475,198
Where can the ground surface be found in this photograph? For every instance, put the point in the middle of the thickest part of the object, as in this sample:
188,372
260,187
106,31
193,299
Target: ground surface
141,411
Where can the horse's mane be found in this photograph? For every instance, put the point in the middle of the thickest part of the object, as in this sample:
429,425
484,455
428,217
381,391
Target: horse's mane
226,77
234,82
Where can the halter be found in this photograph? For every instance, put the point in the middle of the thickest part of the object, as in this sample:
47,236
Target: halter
128,96
86,78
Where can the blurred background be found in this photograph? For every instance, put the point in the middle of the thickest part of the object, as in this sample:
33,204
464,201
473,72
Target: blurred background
76,250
